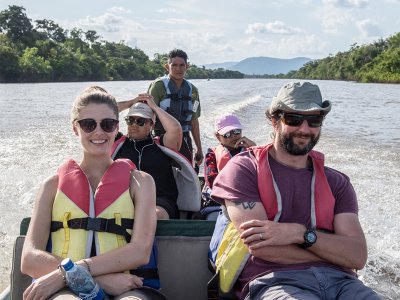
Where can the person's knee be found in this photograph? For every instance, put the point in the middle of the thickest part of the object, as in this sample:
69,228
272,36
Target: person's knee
143,293
64,294
166,209
162,214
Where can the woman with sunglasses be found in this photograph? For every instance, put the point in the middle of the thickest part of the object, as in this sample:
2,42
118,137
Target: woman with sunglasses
148,153
228,131
86,211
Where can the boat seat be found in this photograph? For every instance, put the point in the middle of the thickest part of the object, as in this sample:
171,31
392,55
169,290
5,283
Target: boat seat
19,281
182,259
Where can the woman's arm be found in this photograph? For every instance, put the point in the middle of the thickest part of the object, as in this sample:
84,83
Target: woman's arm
126,104
35,260
173,129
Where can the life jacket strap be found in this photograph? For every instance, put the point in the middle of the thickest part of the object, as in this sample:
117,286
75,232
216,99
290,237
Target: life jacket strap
97,224
177,97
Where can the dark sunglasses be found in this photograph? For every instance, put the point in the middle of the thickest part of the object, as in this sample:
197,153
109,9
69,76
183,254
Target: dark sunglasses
314,121
89,125
232,133
139,121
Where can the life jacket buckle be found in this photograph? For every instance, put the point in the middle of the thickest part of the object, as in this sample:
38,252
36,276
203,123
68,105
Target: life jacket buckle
96,224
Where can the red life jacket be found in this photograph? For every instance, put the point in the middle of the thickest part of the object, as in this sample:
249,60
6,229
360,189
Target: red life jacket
222,156
322,199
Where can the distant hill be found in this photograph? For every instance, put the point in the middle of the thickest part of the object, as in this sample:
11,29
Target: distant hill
224,65
262,65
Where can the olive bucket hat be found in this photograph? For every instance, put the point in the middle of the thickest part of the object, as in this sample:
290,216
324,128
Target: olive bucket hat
296,97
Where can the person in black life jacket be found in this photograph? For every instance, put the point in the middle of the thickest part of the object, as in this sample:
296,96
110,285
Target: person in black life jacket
98,212
144,151
180,98
296,218
228,131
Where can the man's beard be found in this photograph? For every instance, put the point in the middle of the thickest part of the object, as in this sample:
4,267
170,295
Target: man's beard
287,142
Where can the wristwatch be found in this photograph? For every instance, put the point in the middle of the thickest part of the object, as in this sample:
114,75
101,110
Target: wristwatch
310,237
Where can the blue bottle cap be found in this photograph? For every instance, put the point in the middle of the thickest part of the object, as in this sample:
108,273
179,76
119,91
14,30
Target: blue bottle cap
100,294
67,264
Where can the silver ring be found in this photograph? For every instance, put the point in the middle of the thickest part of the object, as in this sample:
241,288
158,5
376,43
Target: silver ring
261,236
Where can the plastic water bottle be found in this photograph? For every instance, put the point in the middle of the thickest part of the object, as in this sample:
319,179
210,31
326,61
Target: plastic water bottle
81,282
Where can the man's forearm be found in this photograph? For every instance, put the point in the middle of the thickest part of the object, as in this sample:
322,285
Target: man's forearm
345,251
288,254
196,134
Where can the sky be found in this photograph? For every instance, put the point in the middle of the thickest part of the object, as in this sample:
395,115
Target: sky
217,31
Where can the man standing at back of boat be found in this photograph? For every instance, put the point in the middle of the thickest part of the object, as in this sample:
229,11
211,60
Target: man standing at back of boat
180,98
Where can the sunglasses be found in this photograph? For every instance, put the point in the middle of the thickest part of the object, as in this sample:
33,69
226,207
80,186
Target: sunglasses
232,133
139,121
295,120
89,125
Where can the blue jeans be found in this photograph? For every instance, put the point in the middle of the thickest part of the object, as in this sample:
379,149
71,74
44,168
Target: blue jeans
309,284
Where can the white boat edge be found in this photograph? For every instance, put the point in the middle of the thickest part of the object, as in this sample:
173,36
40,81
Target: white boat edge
5,295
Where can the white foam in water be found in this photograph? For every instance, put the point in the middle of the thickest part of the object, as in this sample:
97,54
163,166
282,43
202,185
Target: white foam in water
360,137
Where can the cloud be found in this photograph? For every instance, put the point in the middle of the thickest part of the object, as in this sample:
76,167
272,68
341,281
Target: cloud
108,23
277,27
369,28
288,46
332,20
213,38
120,10
175,21
347,3
168,10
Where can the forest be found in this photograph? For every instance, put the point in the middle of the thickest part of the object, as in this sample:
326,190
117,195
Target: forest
375,62
42,51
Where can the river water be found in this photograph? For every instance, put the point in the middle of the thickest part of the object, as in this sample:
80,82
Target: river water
360,137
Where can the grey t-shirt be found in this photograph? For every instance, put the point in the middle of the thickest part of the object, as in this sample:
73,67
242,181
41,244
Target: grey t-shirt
237,182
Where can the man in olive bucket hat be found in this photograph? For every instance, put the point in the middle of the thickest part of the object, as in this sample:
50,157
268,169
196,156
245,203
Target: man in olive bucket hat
296,218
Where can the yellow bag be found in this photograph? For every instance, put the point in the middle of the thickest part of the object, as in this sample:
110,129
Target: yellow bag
231,258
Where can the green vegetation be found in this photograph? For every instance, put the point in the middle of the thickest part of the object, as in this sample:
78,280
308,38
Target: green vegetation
46,52
376,62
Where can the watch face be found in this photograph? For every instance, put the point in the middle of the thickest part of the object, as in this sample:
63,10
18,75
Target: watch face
311,237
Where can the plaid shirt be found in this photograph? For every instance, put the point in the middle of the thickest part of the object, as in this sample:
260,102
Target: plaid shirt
210,166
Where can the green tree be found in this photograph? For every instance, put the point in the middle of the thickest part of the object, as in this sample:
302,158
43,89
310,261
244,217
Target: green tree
94,67
9,68
91,36
34,67
51,30
16,25
66,66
